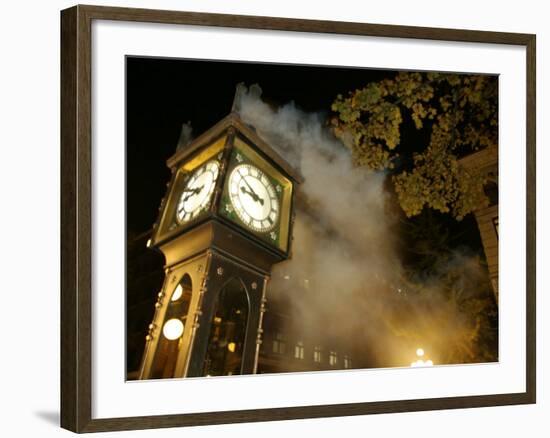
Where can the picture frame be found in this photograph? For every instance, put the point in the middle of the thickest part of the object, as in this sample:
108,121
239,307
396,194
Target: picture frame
77,197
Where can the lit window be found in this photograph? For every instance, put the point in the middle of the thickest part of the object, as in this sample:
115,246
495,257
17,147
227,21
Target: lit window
347,362
299,350
279,344
333,358
317,354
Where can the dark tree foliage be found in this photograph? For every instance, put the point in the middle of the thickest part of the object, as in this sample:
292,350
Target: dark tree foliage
458,115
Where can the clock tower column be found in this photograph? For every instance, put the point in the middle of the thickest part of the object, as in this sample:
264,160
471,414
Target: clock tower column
225,221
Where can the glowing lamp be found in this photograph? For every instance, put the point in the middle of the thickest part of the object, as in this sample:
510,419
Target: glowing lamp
173,329
177,293
419,362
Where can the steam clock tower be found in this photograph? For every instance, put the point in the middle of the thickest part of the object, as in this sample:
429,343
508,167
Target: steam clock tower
225,221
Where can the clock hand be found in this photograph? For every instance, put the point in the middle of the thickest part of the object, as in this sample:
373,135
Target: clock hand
249,186
194,192
248,193
254,195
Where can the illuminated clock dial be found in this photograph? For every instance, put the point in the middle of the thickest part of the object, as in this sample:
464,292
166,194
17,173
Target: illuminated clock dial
254,198
197,192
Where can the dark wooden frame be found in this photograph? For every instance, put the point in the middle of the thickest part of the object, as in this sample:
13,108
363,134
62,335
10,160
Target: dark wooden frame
76,174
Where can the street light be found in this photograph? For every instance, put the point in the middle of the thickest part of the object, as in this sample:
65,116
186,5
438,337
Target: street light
420,362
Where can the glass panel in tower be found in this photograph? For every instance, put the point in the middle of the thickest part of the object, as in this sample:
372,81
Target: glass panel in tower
227,332
257,196
170,335
192,189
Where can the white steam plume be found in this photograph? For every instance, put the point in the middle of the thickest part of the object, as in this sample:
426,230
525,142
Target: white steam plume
343,282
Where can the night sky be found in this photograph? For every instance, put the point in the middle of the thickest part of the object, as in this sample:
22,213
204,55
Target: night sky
162,94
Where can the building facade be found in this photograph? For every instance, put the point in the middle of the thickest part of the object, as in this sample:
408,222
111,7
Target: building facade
486,162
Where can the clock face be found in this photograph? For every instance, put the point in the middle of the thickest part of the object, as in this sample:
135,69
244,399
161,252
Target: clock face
197,192
254,198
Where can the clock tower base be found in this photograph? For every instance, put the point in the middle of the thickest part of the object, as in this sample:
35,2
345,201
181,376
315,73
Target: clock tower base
225,277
